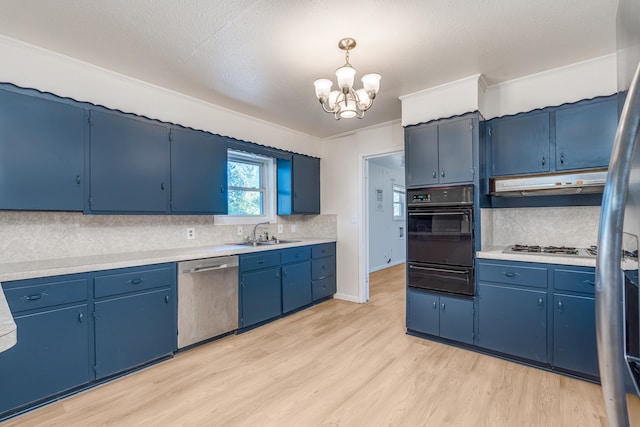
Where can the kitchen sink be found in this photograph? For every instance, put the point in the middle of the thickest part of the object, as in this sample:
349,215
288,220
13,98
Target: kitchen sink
263,243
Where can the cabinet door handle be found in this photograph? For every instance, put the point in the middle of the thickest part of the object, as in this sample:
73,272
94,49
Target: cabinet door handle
589,282
562,158
162,186
435,305
511,274
222,189
78,179
540,302
284,273
443,307
435,174
560,305
442,173
544,160
80,317
136,281
260,261
34,297
166,299
277,274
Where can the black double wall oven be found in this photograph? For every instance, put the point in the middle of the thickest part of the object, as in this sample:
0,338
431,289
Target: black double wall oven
440,244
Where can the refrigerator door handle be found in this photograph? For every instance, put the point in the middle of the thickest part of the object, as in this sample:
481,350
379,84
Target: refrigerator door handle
609,276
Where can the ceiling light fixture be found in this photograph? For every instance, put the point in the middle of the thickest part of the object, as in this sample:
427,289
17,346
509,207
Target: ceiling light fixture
346,102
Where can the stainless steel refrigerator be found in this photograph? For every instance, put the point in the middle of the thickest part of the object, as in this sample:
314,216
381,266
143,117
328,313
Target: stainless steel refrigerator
617,300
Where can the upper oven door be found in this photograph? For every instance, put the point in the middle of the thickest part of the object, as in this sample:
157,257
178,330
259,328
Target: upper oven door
442,235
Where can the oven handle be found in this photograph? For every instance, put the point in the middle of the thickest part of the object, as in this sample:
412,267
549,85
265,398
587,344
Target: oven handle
442,270
437,213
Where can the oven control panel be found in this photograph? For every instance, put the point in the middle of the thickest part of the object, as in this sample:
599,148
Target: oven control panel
440,196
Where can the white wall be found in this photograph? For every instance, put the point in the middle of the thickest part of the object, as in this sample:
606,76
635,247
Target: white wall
342,194
386,243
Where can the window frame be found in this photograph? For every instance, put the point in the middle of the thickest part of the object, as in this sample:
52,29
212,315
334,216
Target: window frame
401,190
268,189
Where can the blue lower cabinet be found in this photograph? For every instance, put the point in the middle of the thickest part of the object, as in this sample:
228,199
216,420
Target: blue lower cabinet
133,329
51,356
260,296
513,321
296,286
446,317
323,271
423,314
574,334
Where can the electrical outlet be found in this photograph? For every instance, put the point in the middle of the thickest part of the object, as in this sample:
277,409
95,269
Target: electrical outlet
280,228
293,228
240,233
191,233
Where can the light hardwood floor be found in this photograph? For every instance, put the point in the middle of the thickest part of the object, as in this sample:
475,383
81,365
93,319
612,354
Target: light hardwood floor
339,364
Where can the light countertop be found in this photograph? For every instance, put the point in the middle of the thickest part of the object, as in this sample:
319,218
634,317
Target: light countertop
83,264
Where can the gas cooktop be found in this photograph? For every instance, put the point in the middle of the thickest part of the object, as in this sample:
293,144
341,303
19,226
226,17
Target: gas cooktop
549,250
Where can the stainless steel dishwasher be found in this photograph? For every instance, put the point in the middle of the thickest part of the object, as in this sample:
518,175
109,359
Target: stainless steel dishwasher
207,299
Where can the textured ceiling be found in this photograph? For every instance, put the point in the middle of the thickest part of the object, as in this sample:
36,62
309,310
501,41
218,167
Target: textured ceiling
260,57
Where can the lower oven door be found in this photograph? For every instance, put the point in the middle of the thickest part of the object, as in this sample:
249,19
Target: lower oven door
456,280
440,236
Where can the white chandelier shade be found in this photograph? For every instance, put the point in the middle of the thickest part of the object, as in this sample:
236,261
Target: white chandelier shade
346,102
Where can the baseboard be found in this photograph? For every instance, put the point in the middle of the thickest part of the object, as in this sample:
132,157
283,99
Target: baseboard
349,298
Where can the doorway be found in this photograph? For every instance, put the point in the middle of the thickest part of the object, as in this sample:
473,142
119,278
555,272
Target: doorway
384,214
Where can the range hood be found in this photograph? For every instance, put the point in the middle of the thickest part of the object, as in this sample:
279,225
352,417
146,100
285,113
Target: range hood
574,182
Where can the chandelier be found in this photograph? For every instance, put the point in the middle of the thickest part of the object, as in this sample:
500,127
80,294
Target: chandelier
347,102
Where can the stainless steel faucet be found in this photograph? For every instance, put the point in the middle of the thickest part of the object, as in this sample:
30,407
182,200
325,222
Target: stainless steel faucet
255,228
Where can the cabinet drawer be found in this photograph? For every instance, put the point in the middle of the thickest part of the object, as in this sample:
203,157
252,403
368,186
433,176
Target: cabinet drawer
323,288
260,260
133,280
512,274
575,280
325,249
36,294
291,255
323,267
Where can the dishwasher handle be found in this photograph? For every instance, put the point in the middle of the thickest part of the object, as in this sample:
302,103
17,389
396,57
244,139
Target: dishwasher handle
208,264
208,268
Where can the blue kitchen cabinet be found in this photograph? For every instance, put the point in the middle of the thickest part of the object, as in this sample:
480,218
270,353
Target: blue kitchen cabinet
440,153
323,271
421,155
52,354
585,132
41,154
296,278
198,172
260,288
574,321
513,321
134,317
129,164
298,185
574,334
444,316
520,144
423,312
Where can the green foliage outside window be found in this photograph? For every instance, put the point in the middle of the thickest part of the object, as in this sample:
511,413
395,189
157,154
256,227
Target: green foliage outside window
246,194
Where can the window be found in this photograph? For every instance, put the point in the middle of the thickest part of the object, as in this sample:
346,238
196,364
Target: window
250,184
398,202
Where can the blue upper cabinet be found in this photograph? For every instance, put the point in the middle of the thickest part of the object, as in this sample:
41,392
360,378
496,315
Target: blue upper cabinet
129,165
41,154
298,185
520,144
585,132
440,153
421,155
198,172
570,137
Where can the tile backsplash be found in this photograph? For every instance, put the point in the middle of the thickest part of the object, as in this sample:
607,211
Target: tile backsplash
569,226
26,236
